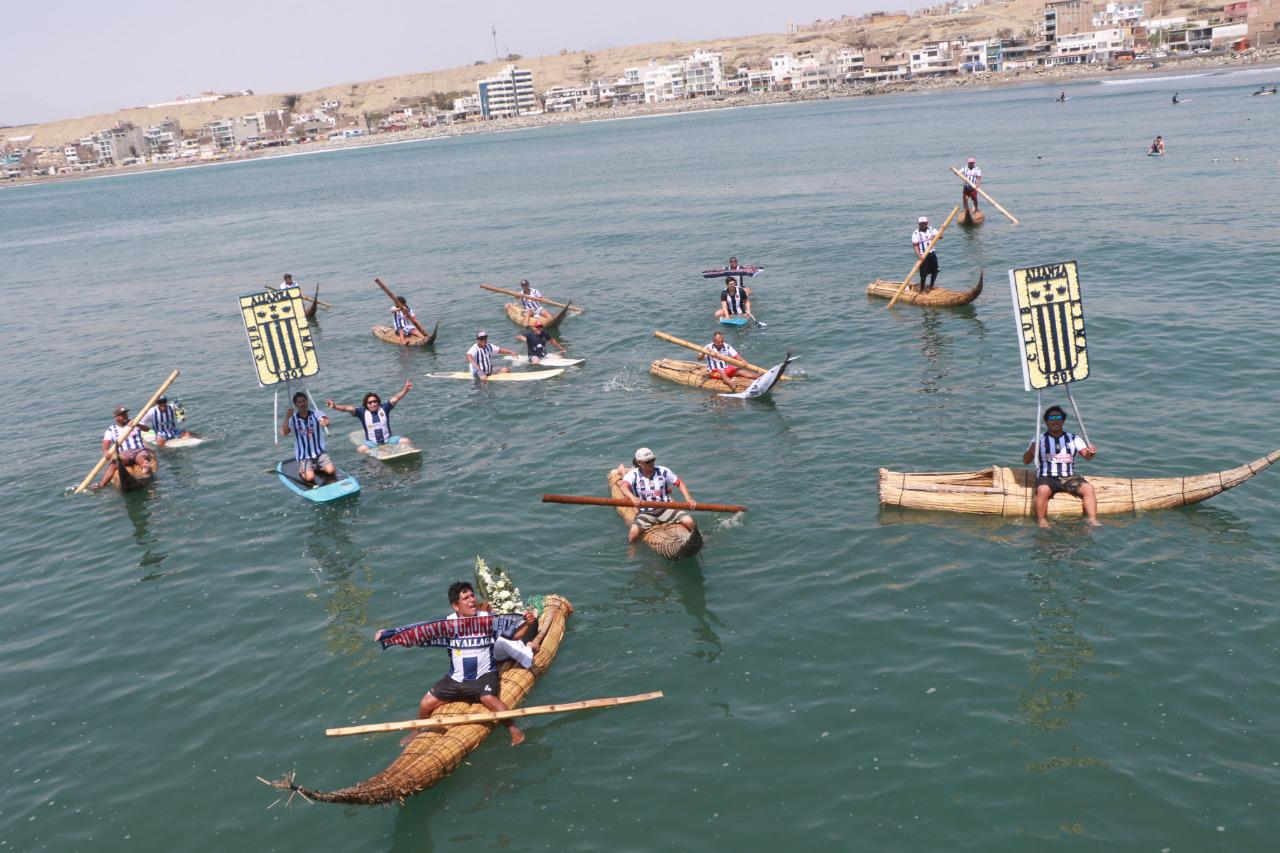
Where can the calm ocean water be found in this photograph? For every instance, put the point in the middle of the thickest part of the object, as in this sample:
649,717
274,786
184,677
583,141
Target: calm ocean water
835,675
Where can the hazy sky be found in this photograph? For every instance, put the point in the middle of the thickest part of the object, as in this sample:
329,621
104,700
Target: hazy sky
74,57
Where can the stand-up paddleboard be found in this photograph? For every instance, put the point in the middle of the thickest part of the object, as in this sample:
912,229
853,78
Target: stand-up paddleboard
724,272
548,361
764,384
523,376
738,320
176,443
1155,153
343,486
387,452
1063,100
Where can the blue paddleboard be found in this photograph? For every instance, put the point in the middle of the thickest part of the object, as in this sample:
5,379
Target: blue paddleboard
344,486
733,321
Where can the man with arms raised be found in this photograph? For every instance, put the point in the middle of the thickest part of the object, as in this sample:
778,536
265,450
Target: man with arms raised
1057,471
308,439
648,484
375,416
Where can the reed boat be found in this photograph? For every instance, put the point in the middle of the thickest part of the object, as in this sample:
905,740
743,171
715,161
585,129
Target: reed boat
695,373
938,297
516,312
388,334
671,540
310,310
435,753
975,217
1008,491
132,478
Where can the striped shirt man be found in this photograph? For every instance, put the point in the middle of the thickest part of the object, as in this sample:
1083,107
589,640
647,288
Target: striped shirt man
724,348
377,424
481,358
471,658
734,300
652,489
529,299
972,173
921,239
1058,454
308,436
163,421
402,321
133,442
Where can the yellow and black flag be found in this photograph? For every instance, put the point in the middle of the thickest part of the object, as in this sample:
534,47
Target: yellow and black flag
279,337
1050,318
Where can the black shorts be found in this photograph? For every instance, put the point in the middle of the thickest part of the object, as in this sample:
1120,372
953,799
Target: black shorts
930,264
1070,485
448,690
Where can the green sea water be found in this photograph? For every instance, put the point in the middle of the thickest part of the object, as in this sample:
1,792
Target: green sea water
836,676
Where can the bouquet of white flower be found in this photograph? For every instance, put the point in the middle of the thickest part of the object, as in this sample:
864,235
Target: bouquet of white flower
496,587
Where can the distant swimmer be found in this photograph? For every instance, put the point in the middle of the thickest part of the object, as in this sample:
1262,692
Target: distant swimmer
1062,97
1175,97
1157,145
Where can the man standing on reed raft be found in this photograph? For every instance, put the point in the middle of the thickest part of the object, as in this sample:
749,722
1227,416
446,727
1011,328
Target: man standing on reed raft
972,175
920,240
473,662
649,483
1057,472
132,451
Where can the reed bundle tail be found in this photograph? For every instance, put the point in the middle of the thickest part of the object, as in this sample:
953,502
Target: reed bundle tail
937,297
132,478
1011,492
670,540
517,314
310,308
388,334
435,753
973,217
695,373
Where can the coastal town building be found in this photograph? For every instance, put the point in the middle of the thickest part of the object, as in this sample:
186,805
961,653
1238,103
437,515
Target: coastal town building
1065,18
1263,20
508,94
122,145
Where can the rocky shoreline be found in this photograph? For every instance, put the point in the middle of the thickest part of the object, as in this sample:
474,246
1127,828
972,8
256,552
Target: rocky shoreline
1064,74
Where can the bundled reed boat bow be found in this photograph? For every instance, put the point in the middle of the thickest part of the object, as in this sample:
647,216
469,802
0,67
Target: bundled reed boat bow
388,334
435,753
132,478
936,297
310,309
672,540
517,314
1011,492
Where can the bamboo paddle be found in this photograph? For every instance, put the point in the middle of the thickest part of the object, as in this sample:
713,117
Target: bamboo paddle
708,351
594,501
133,424
983,193
544,301
920,260
320,302
492,716
396,303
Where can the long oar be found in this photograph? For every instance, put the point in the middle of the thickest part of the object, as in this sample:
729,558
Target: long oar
520,295
320,302
708,351
133,424
396,303
587,500
920,260
983,193
492,716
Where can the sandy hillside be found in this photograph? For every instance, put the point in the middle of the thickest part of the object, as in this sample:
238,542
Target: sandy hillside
378,96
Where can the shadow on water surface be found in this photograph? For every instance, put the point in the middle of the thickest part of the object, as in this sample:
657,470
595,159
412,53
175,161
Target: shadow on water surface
342,567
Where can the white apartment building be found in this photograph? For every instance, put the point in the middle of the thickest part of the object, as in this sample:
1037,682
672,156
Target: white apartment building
703,73
812,72
1117,15
848,63
781,67
933,59
508,93
973,56
1097,46
564,99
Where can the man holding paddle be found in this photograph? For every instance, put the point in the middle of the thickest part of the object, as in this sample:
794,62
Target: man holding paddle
648,484
921,239
531,299
722,370
132,451
973,179
734,300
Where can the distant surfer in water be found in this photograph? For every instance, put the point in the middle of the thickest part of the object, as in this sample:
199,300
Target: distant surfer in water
1175,97
1062,97
1157,145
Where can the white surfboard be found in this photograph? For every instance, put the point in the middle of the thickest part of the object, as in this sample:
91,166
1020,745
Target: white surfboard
548,361
524,376
179,442
386,452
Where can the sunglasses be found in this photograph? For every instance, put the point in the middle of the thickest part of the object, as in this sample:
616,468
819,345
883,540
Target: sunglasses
1056,418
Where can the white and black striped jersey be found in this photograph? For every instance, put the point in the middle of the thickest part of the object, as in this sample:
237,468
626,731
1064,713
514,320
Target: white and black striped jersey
655,488
377,424
164,422
133,442
528,303
1057,455
971,173
734,301
920,239
471,657
308,436
725,348
402,322
482,354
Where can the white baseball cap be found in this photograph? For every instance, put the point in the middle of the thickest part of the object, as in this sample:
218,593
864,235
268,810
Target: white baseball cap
644,454
923,219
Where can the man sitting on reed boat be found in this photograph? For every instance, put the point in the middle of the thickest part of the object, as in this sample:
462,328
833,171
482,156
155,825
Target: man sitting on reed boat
536,340
480,357
1057,472
530,300
162,419
973,175
375,416
734,300
920,239
308,439
722,369
649,483
400,315
473,666
132,451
